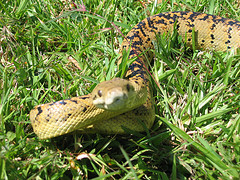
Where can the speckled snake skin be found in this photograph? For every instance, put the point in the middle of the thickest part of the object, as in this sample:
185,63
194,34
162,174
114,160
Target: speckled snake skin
132,105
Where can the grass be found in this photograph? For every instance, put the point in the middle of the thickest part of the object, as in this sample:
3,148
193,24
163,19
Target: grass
50,51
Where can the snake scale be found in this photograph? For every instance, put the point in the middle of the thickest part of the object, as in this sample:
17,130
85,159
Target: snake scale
128,102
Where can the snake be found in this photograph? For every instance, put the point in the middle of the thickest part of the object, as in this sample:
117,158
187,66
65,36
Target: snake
120,104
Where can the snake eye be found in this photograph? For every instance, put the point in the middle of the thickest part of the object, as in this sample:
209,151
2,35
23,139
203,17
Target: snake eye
128,87
100,93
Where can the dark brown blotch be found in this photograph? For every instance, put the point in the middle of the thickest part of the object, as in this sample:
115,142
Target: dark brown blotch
73,101
212,36
62,102
227,42
84,97
84,109
39,110
213,26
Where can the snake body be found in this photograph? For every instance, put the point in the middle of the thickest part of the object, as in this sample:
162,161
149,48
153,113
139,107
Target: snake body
128,102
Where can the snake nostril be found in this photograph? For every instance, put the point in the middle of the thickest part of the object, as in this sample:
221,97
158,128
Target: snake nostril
100,93
117,99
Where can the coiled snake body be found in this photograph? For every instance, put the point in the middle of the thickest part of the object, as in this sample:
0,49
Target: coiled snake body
128,102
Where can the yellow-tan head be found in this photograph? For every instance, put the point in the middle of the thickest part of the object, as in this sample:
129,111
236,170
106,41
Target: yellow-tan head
114,95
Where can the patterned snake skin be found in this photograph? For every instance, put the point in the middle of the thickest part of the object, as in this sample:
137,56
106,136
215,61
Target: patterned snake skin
133,106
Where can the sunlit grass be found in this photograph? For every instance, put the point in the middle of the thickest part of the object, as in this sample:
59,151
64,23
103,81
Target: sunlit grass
51,51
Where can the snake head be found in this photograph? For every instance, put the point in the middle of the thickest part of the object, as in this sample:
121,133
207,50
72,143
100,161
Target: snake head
113,95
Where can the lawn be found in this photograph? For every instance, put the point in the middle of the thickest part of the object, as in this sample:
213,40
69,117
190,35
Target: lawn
54,50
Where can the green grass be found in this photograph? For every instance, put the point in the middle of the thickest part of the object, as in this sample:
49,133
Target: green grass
50,51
